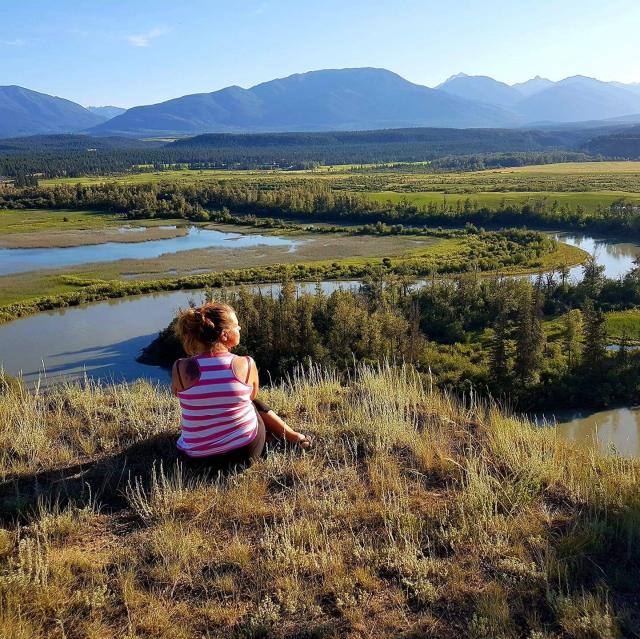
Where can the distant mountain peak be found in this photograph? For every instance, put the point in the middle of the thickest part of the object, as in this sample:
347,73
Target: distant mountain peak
107,112
27,112
580,78
455,76
481,88
532,86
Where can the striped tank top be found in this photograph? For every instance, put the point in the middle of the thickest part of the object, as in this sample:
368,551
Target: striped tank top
217,411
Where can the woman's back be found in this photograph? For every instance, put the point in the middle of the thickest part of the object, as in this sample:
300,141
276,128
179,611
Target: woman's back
217,413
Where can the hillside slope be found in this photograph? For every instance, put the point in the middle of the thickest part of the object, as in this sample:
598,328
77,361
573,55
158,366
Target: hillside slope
413,516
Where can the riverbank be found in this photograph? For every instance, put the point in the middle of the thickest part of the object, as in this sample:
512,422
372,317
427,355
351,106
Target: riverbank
462,521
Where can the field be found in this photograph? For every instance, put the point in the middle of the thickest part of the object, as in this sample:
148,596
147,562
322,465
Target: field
588,200
44,220
573,168
624,324
413,516
587,184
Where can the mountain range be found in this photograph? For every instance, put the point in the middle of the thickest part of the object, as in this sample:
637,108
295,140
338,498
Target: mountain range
345,99
334,100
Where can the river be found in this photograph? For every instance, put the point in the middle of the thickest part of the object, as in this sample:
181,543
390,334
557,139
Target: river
102,340
20,260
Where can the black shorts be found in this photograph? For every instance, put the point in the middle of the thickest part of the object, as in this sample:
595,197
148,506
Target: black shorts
243,456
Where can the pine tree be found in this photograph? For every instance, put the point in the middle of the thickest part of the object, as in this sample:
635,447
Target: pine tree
571,336
593,278
530,338
499,352
595,337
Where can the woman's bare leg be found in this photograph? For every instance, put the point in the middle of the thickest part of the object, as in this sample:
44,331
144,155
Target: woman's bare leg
277,427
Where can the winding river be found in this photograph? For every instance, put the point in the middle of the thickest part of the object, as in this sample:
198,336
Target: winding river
102,340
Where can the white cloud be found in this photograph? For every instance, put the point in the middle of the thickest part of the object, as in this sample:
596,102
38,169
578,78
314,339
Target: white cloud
144,39
17,42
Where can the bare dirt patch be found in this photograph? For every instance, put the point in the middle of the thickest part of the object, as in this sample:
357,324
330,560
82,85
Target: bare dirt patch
311,248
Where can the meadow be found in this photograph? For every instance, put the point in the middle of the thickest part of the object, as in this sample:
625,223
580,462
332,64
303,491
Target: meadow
53,228
624,325
415,515
585,184
590,200
44,220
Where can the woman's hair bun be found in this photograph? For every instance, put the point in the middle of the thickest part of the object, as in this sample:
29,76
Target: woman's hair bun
202,326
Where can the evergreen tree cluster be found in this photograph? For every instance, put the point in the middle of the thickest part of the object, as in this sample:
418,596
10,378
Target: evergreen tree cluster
464,331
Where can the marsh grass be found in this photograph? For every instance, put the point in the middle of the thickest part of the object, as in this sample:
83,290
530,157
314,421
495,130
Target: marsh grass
415,515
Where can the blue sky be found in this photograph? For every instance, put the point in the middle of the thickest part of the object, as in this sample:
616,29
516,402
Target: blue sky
98,52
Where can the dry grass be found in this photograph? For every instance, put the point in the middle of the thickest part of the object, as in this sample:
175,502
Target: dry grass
414,516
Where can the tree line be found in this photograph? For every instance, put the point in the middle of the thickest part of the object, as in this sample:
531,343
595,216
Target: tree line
467,331
312,200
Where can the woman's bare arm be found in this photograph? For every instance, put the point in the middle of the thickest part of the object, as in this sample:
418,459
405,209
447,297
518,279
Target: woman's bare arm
242,372
184,374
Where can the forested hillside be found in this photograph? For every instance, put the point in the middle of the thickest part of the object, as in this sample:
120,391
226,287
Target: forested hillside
55,156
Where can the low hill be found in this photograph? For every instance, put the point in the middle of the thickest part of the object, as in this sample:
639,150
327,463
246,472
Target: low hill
337,99
434,142
67,142
624,144
413,516
26,112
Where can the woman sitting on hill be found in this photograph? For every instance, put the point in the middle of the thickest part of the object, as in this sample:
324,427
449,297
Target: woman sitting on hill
223,424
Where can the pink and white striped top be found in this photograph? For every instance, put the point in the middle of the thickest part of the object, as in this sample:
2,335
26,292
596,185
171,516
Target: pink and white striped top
217,412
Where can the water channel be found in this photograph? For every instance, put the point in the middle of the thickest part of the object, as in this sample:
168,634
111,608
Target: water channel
32,259
102,340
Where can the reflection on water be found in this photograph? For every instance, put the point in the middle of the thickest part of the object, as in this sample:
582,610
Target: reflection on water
101,339
612,431
617,257
21,260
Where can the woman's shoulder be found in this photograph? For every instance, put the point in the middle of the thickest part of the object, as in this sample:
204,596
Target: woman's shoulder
242,366
186,371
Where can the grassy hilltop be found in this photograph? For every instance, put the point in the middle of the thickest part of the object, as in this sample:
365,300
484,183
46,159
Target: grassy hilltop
414,516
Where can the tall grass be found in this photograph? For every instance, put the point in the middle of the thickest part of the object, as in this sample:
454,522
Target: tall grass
414,513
